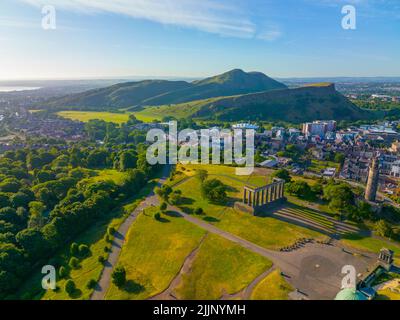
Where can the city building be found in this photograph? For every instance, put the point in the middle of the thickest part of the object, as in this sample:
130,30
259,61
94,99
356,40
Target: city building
319,128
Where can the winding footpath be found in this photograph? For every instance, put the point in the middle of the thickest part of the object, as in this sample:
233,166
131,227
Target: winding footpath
100,291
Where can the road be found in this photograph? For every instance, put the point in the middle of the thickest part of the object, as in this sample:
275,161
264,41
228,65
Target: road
116,246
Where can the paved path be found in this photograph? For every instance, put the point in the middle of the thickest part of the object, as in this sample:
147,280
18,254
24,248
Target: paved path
314,269
116,246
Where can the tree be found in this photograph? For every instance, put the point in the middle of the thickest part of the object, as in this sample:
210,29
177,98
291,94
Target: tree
74,249
62,272
283,174
36,214
163,206
84,250
163,192
20,199
119,276
91,284
11,185
70,287
175,198
33,242
74,263
4,200
340,196
214,190
339,158
299,189
127,161
199,211
383,229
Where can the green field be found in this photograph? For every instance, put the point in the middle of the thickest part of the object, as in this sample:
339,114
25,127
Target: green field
220,268
118,118
370,244
268,232
272,287
153,254
387,294
318,166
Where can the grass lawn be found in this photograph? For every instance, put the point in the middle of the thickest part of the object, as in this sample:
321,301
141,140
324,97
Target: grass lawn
108,174
272,287
318,166
264,231
370,244
153,254
118,118
220,267
387,294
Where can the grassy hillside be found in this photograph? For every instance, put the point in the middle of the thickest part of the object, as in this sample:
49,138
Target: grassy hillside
160,92
320,101
227,84
123,95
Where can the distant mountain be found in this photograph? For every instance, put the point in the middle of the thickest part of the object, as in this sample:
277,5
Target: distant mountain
318,101
160,92
231,83
118,96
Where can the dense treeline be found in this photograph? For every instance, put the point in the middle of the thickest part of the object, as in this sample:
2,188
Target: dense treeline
47,196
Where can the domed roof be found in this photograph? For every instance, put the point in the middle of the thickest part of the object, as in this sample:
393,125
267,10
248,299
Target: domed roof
350,294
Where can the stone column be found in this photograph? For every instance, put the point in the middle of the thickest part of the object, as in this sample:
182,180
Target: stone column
262,197
277,192
273,190
253,198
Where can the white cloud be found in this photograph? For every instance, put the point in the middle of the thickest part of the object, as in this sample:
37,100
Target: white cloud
225,19
270,35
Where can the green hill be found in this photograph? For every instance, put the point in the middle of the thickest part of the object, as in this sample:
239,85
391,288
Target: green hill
234,82
308,103
118,96
160,92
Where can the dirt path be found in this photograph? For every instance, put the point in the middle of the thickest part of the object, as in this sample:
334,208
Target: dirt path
169,294
245,294
116,246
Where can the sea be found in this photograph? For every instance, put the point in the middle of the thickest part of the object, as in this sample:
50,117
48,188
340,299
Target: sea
17,88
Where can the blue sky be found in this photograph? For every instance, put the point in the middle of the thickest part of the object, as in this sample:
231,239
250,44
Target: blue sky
197,38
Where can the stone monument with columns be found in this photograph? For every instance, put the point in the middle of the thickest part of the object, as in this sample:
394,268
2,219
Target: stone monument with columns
257,199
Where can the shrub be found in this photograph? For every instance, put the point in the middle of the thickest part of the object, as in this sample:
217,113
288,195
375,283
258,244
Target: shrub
111,231
84,250
157,216
62,272
102,259
74,263
119,276
91,284
199,211
74,250
163,206
70,287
